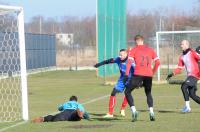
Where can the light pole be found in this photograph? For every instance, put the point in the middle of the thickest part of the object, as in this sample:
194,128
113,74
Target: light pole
76,46
40,25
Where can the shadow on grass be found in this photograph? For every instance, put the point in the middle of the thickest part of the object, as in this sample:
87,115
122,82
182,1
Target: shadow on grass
101,118
168,111
101,115
162,111
177,111
95,114
104,119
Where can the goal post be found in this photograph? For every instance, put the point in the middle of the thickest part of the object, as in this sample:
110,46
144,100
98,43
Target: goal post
13,76
169,50
23,64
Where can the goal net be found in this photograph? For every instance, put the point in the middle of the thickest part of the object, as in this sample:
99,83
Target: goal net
13,81
169,50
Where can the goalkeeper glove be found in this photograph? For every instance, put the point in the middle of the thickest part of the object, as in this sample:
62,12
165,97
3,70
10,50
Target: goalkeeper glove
125,79
198,49
86,116
169,76
97,65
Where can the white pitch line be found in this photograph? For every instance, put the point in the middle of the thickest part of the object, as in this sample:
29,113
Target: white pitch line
20,123
88,102
96,99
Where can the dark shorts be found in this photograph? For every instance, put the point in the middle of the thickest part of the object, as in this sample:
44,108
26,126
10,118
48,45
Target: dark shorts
137,81
120,86
66,115
191,82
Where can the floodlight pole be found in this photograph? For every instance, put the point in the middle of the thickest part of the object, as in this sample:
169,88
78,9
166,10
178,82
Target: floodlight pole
76,56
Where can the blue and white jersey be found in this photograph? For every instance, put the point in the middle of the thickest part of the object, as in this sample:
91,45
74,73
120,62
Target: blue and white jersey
122,67
71,105
120,86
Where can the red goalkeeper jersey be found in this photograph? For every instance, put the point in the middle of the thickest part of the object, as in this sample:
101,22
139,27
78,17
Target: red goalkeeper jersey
190,62
143,57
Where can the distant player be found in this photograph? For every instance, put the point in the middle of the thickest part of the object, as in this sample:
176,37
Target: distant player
189,59
119,86
143,56
69,111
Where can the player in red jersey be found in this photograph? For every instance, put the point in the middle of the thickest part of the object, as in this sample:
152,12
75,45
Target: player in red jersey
143,56
189,59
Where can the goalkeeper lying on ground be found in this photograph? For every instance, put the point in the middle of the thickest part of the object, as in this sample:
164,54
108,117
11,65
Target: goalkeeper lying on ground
69,111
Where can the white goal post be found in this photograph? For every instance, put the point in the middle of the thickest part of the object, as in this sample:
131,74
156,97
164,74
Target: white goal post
168,43
13,76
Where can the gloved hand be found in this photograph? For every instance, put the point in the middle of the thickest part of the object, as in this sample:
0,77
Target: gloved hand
198,49
125,79
97,65
169,76
86,116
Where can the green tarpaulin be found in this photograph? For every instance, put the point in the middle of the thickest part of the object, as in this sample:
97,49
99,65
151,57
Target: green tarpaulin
111,32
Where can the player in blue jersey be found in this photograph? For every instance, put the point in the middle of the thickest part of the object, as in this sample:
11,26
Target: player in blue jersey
119,86
69,111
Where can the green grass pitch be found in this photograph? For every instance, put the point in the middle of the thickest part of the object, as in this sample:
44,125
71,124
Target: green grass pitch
49,89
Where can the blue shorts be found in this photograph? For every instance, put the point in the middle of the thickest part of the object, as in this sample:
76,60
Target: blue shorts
119,86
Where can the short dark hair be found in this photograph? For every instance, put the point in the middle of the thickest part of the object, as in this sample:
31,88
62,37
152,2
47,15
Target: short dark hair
73,98
122,50
138,37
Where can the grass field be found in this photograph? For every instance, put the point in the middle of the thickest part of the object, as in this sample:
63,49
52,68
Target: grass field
48,90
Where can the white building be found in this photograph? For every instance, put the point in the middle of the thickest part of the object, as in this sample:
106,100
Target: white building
65,39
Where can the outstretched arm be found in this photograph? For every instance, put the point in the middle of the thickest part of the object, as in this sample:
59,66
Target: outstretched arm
128,67
180,67
109,61
177,70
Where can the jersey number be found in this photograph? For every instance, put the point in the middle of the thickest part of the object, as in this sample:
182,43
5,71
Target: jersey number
143,60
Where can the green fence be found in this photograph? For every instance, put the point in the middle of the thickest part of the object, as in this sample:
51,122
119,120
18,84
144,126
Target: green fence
111,32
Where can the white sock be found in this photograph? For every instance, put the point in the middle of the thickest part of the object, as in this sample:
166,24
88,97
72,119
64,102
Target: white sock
133,109
151,109
187,104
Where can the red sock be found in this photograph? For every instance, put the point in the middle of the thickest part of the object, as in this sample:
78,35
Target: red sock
112,103
124,103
